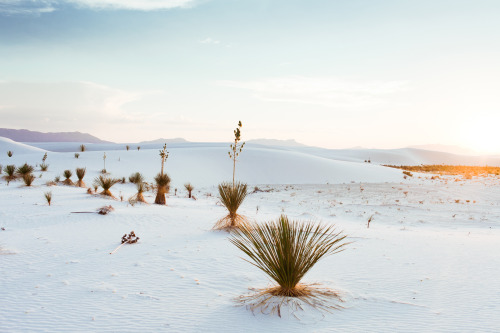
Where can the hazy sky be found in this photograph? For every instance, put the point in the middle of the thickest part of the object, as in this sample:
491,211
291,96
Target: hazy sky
372,73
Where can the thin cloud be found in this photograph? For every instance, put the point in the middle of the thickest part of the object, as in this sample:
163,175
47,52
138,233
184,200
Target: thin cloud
209,40
38,7
330,92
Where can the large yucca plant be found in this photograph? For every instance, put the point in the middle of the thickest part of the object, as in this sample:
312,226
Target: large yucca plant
80,173
163,186
10,171
232,196
25,169
67,174
286,250
106,183
136,178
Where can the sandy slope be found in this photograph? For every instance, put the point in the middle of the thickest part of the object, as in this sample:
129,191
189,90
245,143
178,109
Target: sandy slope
427,262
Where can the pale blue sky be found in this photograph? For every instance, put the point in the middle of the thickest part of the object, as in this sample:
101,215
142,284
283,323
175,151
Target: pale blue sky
328,73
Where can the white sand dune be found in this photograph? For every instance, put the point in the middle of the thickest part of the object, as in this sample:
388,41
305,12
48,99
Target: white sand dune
428,262
16,148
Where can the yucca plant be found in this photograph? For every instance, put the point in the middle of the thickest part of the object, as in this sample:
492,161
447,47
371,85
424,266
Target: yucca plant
82,148
163,186
106,183
127,147
10,171
44,167
48,197
189,188
136,178
67,174
77,155
80,173
231,196
28,179
285,251
10,153
25,169
139,196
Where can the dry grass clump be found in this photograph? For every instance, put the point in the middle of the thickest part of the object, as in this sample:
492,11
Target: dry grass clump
67,174
48,197
285,251
163,187
44,167
28,179
189,188
106,183
10,171
80,173
231,197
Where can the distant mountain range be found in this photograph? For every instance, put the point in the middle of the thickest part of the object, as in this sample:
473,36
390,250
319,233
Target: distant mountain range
446,149
24,135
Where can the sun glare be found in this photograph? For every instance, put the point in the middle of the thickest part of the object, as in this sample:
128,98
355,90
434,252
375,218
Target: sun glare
482,135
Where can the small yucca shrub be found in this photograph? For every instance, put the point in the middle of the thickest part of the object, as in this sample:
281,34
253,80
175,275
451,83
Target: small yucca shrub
25,169
232,197
67,174
80,173
136,178
48,197
77,155
163,187
286,250
28,179
139,196
106,183
189,188
10,171
44,167
82,148
10,153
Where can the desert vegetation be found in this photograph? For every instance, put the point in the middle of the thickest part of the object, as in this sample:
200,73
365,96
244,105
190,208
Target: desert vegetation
455,170
106,183
10,153
24,169
136,177
189,188
77,155
162,179
67,175
83,148
80,173
10,172
233,195
28,179
285,251
48,197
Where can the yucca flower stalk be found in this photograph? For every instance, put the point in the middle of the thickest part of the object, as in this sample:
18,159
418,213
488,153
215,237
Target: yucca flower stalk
106,183
231,196
67,174
80,173
163,186
236,148
285,251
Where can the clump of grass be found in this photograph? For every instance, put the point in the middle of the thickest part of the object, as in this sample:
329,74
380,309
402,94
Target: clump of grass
163,187
48,197
44,166
189,188
77,155
10,153
106,183
136,178
80,173
25,169
10,171
28,179
285,251
67,174
232,197
57,179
